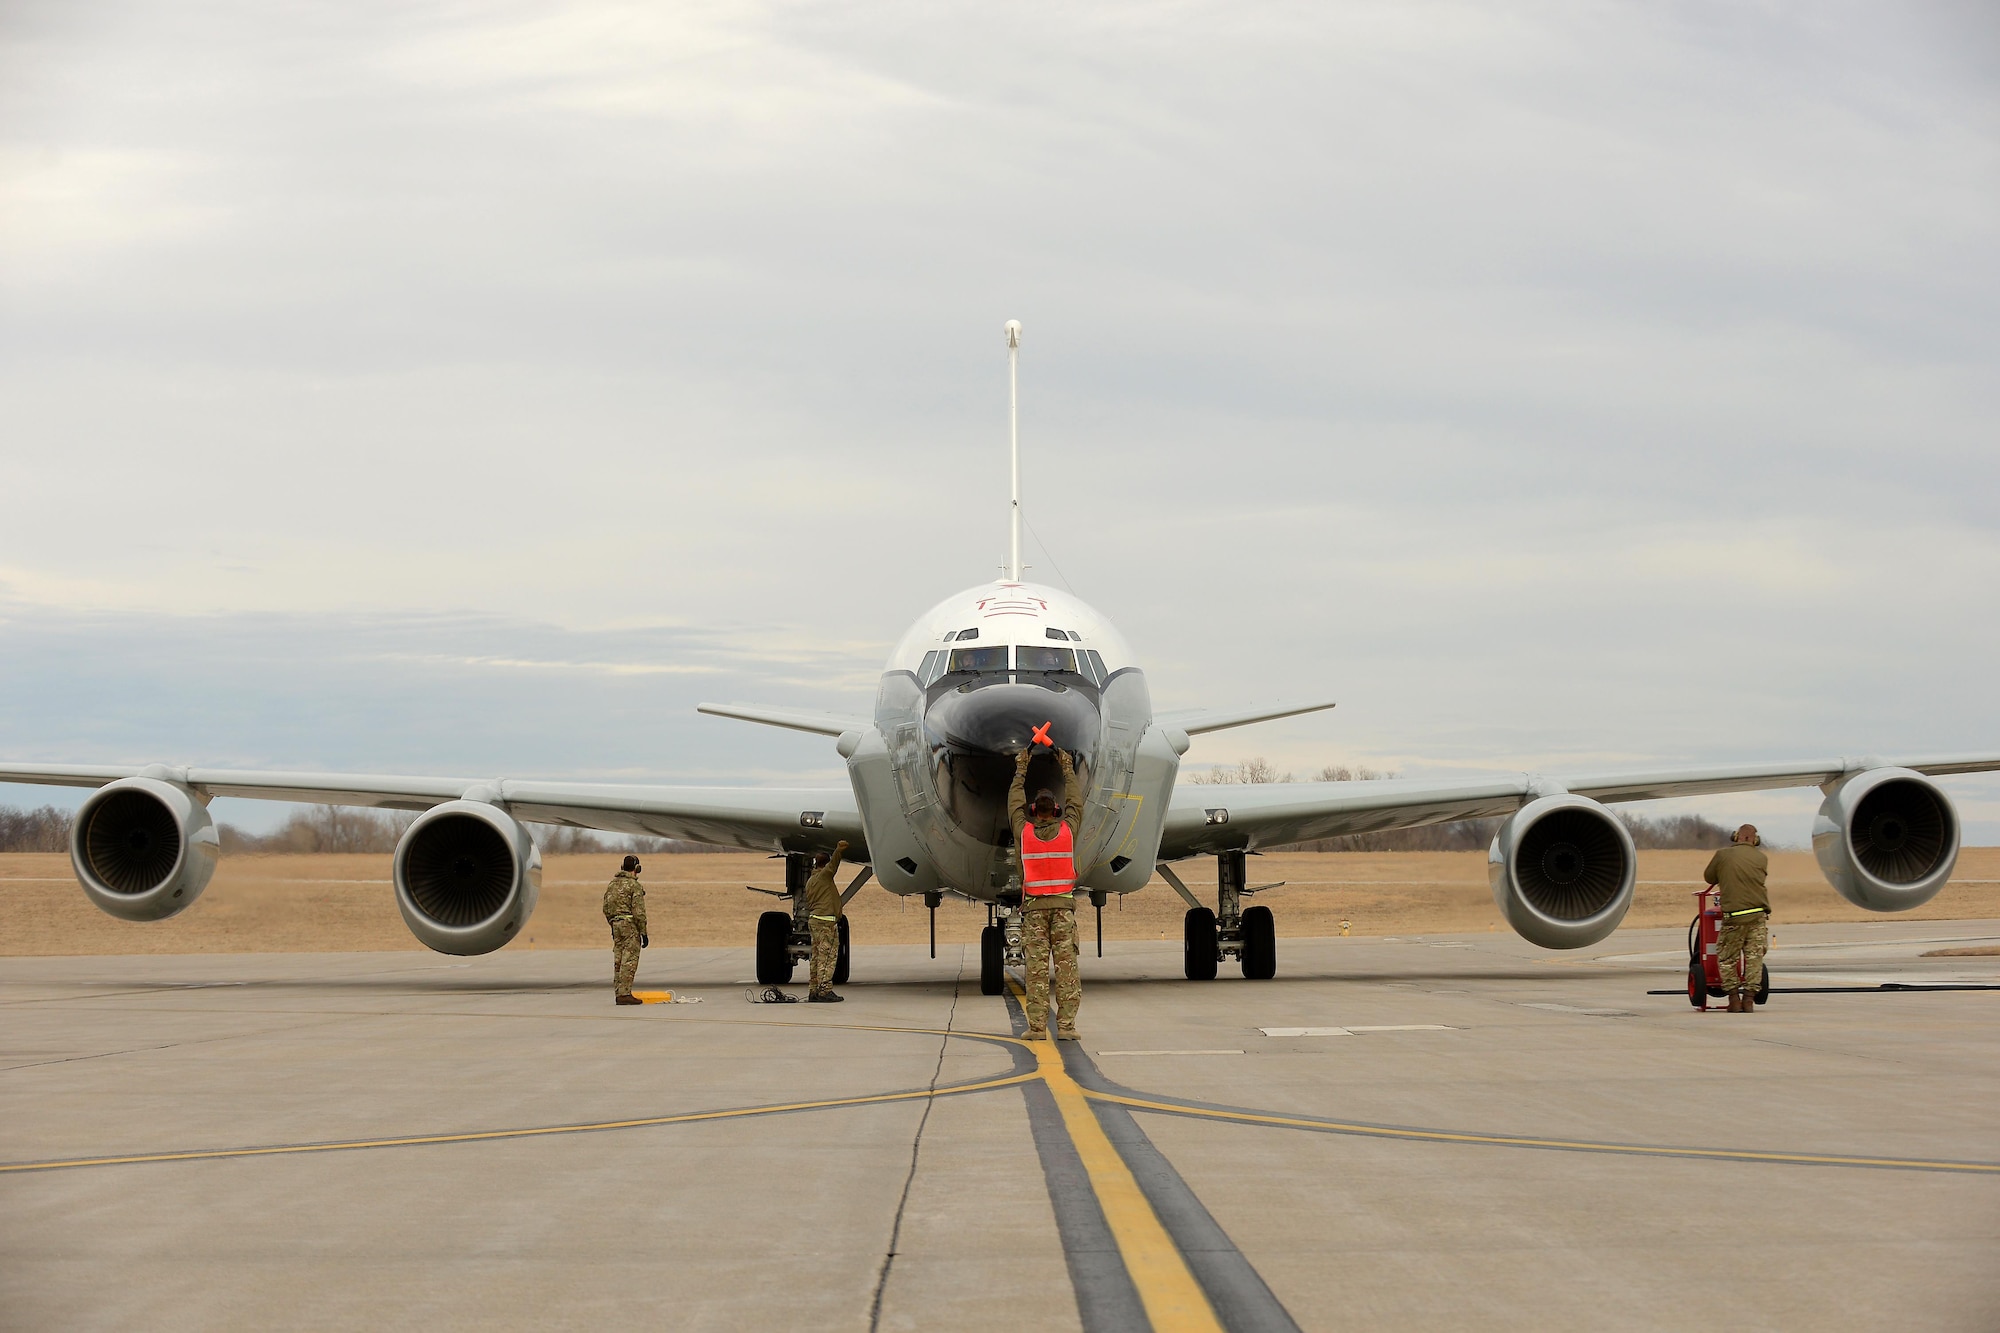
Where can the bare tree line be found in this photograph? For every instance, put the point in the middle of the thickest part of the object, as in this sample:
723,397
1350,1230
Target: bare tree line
333,828
1664,833
43,830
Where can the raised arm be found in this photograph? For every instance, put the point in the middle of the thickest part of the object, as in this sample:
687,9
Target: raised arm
1072,793
1017,795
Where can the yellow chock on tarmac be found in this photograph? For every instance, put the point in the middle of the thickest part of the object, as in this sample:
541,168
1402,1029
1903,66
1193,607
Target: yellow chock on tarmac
653,996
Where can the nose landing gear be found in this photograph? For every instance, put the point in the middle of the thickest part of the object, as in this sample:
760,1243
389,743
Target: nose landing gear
999,947
1248,935
784,939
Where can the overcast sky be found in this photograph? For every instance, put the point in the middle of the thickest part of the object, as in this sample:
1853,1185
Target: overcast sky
474,388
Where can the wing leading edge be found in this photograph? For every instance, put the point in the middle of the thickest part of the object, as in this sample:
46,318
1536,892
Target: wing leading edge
1212,819
758,818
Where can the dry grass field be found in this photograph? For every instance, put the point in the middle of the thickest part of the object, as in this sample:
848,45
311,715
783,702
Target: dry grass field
259,904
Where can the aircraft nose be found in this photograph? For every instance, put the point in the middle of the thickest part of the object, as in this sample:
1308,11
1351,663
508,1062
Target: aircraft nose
1003,718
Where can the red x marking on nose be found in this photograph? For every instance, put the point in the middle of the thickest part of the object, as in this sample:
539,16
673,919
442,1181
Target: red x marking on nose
1042,735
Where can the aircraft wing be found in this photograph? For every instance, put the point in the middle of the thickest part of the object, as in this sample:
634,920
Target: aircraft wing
1195,721
759,818
795,719
1218,818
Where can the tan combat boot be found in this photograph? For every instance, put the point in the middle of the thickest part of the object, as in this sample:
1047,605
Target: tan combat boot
1749,1002
1036,1034
1735,1005
628,999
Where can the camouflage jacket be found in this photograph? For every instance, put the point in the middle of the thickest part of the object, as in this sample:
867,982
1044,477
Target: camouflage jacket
625,896
822,894
1738,870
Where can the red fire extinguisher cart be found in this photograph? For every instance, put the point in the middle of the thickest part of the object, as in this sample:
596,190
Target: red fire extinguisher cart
1704,937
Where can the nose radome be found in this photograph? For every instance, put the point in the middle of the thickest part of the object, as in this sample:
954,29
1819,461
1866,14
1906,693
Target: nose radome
1004,718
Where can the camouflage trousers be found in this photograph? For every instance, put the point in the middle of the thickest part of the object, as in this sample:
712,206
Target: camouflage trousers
1740,949
826,953
624,953
1050,936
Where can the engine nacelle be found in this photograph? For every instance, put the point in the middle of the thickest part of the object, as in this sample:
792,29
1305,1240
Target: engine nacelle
1563,871
467,876
143,849
1886,839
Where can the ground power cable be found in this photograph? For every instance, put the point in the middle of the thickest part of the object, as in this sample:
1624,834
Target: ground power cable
916,1150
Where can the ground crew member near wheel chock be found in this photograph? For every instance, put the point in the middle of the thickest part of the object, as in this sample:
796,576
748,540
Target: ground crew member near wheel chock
625,909
823,911
1045,838
1738,870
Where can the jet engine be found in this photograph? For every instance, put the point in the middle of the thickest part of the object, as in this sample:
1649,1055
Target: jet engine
1886,839
467,876
1562,871
143,849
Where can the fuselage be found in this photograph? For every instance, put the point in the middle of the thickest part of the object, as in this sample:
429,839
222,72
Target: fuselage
962,694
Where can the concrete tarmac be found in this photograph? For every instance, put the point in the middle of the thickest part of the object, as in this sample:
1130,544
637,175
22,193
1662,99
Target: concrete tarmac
1435,1132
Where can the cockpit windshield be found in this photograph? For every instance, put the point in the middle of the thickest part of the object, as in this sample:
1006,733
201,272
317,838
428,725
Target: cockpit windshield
1035,657
979,659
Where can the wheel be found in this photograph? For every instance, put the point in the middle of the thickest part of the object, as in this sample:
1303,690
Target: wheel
1763,984
841,959
1697,985
774,948
992,961
1260,944
1198,944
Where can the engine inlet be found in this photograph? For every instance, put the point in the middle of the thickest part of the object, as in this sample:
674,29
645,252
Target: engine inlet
1900,831
132,842
458,870
1572,865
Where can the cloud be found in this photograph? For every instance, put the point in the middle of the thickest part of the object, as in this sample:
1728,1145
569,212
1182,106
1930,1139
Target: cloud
1543,383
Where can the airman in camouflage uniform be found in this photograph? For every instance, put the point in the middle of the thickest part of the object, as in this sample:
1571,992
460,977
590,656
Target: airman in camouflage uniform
823,910
625,909
1048,923
1738,870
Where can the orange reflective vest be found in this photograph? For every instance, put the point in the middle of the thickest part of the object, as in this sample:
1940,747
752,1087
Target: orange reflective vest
1047,865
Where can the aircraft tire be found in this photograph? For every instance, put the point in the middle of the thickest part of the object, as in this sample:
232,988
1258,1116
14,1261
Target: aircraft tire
841,959
992,961
774,957
1198,944
1260,944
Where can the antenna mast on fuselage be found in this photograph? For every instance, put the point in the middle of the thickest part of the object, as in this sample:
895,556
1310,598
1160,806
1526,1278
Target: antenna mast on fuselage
1014,447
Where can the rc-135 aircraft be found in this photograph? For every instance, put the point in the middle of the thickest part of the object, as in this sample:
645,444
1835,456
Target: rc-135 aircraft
965,690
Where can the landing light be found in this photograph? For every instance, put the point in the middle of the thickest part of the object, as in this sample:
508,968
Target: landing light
812,819
1217,816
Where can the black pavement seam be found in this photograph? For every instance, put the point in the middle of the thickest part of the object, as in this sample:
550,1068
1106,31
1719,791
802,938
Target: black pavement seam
1106,1299
1243,1301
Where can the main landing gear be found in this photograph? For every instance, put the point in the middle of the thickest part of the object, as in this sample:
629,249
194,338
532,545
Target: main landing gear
784,939
1247,934
999,945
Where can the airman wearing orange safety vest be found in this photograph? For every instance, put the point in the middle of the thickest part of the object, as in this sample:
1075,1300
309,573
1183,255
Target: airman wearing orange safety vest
1046,839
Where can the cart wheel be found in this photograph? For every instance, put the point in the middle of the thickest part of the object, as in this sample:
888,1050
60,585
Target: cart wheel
1763,984
1697,986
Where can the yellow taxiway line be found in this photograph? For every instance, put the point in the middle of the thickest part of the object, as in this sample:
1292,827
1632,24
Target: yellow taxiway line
1571,1145
481,1136
1174,1301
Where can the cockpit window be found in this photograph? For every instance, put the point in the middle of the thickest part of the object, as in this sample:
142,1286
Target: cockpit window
1034,657
979,659
928,672
972,633
1097,673
1062,634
